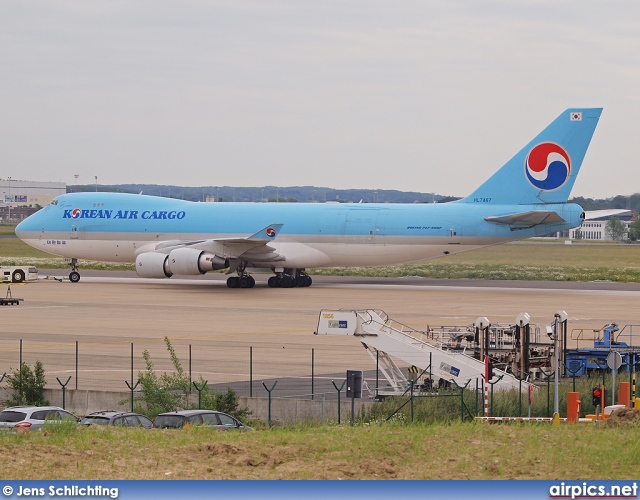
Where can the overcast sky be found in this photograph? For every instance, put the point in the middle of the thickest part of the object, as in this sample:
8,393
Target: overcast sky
430,96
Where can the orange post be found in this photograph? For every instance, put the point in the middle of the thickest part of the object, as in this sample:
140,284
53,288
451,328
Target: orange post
574,405
624,394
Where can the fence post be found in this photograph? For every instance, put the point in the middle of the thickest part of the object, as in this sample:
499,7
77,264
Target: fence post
573,374
200,389
430,374
377,374
476,397
492,384
520,380
250,371
313,356
64,388
462,388
131,388
337,389
190,377
76,365
411,382
548,378
132,372
269,391
20,372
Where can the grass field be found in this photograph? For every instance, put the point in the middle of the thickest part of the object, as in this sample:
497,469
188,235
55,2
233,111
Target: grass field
529,260
438,451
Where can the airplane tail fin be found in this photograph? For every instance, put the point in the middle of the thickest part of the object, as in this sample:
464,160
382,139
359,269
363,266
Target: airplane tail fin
545,169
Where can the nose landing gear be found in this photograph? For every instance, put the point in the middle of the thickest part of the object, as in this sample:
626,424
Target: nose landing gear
74,275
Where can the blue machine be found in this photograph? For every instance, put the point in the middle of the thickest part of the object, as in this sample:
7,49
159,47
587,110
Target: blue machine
582,361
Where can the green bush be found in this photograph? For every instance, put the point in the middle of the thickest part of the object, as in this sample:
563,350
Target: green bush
167,392
173,391
27,386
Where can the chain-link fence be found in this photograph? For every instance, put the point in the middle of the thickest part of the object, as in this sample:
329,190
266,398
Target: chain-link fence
107,366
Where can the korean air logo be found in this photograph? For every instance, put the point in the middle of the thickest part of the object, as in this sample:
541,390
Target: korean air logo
75,213
548,166
271,233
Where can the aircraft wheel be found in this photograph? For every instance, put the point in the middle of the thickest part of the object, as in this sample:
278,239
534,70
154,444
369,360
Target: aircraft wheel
308,281
252,282
301,281
244,282
17,277
74,276
233,282
287,282
274,282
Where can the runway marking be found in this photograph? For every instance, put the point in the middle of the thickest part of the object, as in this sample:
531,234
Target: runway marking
221,284
439,288
43,307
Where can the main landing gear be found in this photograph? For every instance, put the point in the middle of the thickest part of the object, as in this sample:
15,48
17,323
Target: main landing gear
287,278
242,281
290,278
74,275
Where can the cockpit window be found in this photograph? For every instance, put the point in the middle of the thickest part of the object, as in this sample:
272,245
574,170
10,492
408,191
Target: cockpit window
54,202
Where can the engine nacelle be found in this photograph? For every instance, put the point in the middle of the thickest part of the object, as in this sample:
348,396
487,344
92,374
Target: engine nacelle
153,265
194,261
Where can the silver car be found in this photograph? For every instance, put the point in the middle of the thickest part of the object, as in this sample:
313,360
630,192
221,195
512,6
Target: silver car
118,419
33,417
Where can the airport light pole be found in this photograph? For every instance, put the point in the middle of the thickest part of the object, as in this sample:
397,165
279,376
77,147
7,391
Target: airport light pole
9,179
556,395
560,318
96,178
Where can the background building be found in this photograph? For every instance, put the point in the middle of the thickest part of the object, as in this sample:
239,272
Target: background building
596,229
20,199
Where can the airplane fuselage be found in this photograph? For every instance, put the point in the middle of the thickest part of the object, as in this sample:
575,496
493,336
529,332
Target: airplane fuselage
526,197
118,227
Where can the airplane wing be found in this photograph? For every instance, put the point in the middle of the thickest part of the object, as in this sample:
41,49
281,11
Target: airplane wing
597,214
253,250
254,247
530,219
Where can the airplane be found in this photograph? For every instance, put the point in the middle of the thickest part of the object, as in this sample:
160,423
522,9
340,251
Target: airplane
526,197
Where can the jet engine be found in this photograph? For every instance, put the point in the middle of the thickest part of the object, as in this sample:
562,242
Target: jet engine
179,261
193,261
153,265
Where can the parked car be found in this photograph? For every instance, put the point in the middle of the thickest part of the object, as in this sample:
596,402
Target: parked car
117,418
33,417
206,418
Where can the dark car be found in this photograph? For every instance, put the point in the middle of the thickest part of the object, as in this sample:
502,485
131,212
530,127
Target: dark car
117,418
205,418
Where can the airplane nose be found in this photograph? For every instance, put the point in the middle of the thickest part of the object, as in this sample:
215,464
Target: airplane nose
22,228
18,230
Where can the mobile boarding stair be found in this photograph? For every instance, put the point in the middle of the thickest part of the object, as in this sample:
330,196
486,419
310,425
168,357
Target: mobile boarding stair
390,339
